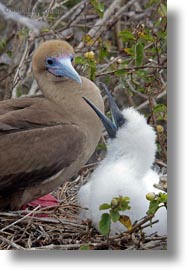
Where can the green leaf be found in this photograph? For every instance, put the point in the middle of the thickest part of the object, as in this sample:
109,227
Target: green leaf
79,60
2,44
162,10
104,206
102,53
45,30
163,197
126,36
99,7
84,247
124,203
142,73
139,54
23,32
162,35
159,108
120,72
92,66
19,91
153,206
130,51
114,214
101,146
147,37
104,224
161,111
88,40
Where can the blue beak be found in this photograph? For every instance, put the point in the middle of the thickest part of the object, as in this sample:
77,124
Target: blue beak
62,67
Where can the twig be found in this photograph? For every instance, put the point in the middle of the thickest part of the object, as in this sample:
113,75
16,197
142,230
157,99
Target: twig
17,221
70,246
9,74
161,163
12,244
139,224
118,40
151,105
33,88
128,232
107,65
144,104
32,24
135,91
101,22
16,79
127,69
68,14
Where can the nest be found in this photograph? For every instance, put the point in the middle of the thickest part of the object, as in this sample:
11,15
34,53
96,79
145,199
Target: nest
60,228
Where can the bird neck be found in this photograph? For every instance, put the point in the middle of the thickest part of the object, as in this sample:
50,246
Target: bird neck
68,94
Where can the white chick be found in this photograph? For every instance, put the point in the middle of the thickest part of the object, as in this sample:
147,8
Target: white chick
125,171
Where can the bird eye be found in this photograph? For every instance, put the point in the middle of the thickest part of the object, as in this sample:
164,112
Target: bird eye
50,61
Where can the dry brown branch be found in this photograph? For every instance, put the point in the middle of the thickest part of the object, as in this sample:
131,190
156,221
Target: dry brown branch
151,105
32,24
111,16
19,220
146,103
11,243
129,69
73,11
17,76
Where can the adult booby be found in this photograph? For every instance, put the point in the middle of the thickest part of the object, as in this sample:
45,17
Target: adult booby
45,140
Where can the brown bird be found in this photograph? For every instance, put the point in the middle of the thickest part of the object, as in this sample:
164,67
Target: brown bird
45,140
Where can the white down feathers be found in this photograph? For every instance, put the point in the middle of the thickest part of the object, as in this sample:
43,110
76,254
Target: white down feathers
125,171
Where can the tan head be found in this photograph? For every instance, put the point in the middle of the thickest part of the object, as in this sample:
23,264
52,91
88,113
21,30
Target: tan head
54,58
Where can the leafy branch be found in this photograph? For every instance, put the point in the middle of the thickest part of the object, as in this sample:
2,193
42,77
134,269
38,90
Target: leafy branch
116,205
156,201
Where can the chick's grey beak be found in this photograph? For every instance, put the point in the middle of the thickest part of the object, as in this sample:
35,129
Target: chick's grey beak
108,124
62,67
117,117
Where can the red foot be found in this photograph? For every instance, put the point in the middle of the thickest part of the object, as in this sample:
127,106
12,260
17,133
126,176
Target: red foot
47,200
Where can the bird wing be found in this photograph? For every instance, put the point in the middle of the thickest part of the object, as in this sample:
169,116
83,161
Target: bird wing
35,142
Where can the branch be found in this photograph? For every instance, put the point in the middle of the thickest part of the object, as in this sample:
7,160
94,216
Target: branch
101,22
73,11
11,243
144,104
128,69
32,24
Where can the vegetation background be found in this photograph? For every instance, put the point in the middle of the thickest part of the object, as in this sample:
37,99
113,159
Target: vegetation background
122,43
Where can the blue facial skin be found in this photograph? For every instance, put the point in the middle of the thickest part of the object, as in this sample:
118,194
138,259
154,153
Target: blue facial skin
62,67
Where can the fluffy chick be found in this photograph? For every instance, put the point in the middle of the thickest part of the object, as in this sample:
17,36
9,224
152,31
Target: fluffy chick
125,171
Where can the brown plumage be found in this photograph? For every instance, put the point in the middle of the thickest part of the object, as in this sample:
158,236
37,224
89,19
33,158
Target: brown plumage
45,140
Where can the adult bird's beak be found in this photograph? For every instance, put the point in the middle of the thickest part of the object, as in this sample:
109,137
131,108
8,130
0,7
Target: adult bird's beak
108,124
62,67
117,116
